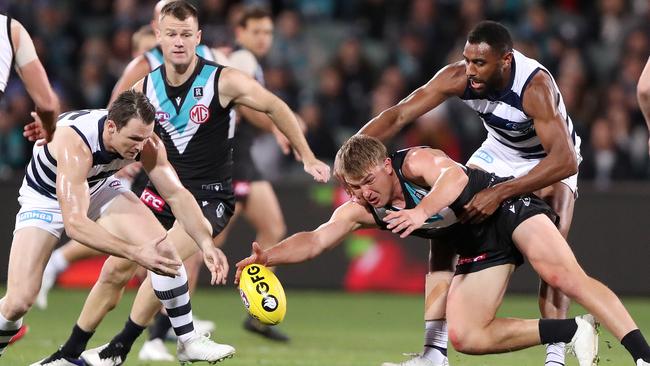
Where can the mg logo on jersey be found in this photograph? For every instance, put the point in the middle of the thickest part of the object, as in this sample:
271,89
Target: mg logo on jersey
162,116
152,200
199,113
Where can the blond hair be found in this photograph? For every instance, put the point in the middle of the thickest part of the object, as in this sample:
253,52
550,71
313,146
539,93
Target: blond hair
358,156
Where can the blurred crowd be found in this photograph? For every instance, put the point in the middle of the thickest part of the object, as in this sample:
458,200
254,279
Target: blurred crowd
339,62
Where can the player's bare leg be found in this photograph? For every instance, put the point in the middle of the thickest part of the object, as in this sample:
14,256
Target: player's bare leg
30,250
442,259
61,258
263,212
553,304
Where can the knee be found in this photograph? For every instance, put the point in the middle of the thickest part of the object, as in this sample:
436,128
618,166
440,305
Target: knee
116,275
567,281
467,340
15,307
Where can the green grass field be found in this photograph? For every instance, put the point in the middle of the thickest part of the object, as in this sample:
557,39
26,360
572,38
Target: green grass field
327,328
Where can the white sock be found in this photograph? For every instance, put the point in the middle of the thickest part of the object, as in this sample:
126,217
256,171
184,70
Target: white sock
435,334
174,294
555,354
8,329
57,262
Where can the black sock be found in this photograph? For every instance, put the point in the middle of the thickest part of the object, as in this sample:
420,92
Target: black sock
126,337
557,330
635,343
76,343
160,327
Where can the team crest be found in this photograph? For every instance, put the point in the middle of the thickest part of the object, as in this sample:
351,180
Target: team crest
198,92
199,113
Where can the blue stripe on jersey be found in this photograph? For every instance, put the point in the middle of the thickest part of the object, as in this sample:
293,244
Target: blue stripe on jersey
203,50
50,174
532,149
104,157
529,135
38,188
39,180
49,156
179,120
534,156
83,137
416,198
157,54
505,124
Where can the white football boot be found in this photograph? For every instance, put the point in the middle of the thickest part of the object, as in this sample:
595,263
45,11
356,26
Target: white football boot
584,344
155,350
91,358
202,348
57,359
417,360
640,362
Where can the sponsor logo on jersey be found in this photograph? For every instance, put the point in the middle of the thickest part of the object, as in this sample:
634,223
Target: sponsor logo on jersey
220,209
526,201
483,155
465,260
198,92
199,113
35,215
162,116
212,187
152,200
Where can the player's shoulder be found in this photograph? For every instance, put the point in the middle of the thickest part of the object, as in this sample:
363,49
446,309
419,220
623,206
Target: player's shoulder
452,79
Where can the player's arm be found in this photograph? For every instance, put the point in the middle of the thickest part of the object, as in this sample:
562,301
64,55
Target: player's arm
183,205
137,69
643,94
449,81
34,77
306,245
238,88
540,103
74,160
432,168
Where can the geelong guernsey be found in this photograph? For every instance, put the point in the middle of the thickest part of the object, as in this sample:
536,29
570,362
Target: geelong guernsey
89,124
503,113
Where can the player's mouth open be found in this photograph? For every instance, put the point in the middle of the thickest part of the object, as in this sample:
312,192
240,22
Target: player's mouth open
476,84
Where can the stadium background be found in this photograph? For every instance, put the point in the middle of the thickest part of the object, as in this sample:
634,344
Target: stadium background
338,63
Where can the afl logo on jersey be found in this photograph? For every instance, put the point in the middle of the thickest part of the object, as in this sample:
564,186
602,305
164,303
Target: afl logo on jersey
162,116
199,113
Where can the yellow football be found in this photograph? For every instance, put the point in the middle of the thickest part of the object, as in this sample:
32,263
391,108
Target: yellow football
262,294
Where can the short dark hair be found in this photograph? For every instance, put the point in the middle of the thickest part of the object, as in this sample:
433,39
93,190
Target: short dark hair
131,104
253,12
492,33
180,10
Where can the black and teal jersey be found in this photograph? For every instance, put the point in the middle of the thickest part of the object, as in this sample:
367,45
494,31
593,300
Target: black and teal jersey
439,223
195,128
155,57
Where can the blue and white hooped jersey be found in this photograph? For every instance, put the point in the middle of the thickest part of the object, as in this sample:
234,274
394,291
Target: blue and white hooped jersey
155,57
41,171
503,114
194,127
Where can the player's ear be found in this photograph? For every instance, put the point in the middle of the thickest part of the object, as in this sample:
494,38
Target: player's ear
507,58
111,126
198,36
388,165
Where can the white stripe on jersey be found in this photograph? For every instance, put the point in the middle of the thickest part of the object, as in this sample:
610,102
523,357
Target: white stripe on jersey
504,117
41,171
6,51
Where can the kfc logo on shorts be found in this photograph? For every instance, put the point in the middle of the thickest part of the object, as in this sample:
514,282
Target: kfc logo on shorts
152,200
162,116
199,113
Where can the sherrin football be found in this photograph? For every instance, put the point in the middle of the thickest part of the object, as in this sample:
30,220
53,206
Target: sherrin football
262,294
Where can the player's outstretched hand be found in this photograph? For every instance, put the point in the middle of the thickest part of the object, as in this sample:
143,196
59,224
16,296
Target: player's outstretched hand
481,206
150,256
405,221
36,132
317,169
257,256
217,263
